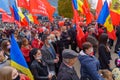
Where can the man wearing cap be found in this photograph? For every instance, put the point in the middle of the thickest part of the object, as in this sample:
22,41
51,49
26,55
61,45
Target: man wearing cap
66,70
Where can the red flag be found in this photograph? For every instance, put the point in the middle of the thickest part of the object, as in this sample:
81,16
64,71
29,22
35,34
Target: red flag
38,7
35,20
115,16
51,12
2,11
87,12
7,18
50,9
80,36
24,22
42,7
98,8
12,11
23,4
112,35
16,22
80,33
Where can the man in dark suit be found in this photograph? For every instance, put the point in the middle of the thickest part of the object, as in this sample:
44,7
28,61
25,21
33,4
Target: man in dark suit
66,70
72,33
49,54
65,37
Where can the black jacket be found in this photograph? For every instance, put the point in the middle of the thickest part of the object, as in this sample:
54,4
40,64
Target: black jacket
66,73
65,41
72,33
39,70
104,56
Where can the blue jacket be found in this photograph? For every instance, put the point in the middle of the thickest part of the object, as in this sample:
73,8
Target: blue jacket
89,67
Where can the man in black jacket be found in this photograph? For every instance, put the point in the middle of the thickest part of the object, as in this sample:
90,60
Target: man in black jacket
65,38
117,46
72,33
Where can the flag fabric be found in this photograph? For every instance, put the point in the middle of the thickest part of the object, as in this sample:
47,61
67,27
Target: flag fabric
115,12
87,12
78,5
7,18
12,11
98,8
17,58
13,15
115,16
30,18
38,7
2,11
19,16
80,33
15,12
42,7
84,9
105,19
50,9
23,20
23,4
35,20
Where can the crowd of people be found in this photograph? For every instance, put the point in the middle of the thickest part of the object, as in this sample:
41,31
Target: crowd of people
51,50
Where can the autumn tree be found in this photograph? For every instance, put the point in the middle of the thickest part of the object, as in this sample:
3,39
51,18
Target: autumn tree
65,8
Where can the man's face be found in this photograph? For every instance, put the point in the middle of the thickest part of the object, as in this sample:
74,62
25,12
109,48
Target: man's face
72,61
47,40
64,28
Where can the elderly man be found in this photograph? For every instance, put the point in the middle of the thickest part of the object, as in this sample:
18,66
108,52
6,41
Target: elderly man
66,70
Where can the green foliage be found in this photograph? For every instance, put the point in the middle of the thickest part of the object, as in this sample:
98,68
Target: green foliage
115,5
65,8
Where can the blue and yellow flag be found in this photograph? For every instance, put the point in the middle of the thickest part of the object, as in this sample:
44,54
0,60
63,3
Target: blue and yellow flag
30,18
16,15
83,7
19,16
104,13
78,5
105,19
17,59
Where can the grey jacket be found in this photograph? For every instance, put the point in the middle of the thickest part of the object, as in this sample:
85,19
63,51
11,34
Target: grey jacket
47,56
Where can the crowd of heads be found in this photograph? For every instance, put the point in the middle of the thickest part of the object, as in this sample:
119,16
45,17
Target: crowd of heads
33,37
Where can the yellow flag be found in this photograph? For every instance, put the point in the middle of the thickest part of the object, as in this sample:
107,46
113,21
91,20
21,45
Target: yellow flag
80,6
108,24
21,15
30,17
